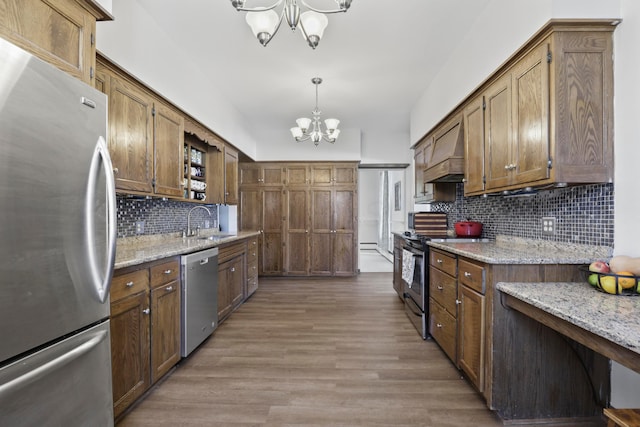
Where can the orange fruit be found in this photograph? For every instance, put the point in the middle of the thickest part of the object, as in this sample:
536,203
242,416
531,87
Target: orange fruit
626,282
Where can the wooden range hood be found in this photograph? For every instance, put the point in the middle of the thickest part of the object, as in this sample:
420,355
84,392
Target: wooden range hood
445,162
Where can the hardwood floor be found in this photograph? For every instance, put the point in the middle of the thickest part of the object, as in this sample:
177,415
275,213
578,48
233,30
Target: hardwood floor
315,352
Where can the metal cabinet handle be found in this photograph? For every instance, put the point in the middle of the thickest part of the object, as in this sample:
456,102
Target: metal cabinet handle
439,287
167,271
168,288
467,274
233,269
458,302
438,325
129,284
439,261
115,171
146,311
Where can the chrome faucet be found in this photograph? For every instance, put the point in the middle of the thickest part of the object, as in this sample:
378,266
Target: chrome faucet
189,231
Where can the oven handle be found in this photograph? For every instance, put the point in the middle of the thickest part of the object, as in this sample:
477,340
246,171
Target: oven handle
412,305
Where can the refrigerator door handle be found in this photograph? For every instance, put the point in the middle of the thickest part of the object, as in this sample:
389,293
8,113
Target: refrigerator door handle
52,365
101,157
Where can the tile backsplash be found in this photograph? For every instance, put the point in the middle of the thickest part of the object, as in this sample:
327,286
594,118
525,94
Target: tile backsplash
160,216
584,214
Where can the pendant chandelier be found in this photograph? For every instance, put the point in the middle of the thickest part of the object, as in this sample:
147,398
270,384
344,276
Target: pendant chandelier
312,128
265,22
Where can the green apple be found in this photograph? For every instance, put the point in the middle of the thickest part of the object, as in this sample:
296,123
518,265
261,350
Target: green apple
593,279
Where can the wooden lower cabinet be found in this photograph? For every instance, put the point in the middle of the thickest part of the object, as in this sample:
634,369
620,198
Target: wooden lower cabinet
523,369
231,278
252,266
145,328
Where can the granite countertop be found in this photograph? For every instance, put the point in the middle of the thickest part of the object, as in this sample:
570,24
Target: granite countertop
515,250
140,249
613,317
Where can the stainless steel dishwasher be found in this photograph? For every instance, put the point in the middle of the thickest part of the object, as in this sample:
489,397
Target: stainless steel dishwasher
199,298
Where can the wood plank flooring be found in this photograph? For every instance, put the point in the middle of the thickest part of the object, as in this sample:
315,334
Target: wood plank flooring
315,352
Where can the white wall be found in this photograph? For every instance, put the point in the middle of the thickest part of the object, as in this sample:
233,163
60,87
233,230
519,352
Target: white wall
625,383
378,148
135,42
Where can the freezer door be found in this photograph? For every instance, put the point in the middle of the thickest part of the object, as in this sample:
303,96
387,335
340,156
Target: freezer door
57,204
67,384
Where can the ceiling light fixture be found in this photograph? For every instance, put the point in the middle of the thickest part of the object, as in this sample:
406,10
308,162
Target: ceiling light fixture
302,132
265,22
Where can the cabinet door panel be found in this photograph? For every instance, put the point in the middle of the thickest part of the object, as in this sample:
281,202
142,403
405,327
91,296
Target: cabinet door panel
320,253
531,117
498,133
321,175
344,210
471,335
168,138
474,146
59,32
250,209
272,175
230,176
297,232
130,136
344,254
129,350
272,225
165,329
297,175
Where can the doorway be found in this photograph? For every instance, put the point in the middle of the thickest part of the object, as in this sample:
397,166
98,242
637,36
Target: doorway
381,212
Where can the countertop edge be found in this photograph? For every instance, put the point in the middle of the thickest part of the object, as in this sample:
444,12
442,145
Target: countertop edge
135,251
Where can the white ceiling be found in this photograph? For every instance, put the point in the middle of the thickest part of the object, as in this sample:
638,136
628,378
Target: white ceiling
376,60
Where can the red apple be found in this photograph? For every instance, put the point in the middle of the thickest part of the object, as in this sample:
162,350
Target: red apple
599,267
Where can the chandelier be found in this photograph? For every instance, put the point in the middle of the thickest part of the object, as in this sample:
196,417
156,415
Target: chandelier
265,22
302,132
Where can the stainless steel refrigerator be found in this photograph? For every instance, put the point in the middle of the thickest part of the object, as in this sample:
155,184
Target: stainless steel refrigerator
57,247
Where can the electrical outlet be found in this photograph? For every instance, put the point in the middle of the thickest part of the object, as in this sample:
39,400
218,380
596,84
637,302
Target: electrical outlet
139,227
548,226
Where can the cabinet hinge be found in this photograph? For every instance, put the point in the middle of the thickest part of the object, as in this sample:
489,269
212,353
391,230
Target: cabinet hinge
484,179
153,111
484,105
93,39
549,57
153,183
90,72
549,164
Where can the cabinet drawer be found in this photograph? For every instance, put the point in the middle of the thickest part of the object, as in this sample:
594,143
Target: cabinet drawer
127,284
230,250
443,289
252,268
252,250
165,273
443,261
442,327
472,275
252,285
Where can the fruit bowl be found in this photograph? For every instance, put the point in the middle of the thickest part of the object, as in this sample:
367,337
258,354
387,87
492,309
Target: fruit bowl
611,283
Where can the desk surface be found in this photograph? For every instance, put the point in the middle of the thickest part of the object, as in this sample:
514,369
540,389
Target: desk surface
608,324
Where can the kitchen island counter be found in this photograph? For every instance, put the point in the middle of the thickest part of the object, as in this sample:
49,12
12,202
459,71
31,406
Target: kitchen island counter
514,250
608,324
132,251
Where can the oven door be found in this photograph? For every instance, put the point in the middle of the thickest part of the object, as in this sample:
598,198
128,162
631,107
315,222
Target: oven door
416,288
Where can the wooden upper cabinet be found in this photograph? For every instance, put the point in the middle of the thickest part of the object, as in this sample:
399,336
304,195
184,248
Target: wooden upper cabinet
419,163
498,134
231,175
168,137
130,136
334,174
261,174
548,114
297,174
61,32
474,146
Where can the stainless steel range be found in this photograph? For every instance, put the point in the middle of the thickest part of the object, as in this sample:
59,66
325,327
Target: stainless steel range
416,290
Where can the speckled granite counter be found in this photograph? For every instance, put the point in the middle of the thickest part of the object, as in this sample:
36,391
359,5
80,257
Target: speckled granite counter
513,250
137,250
616,319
